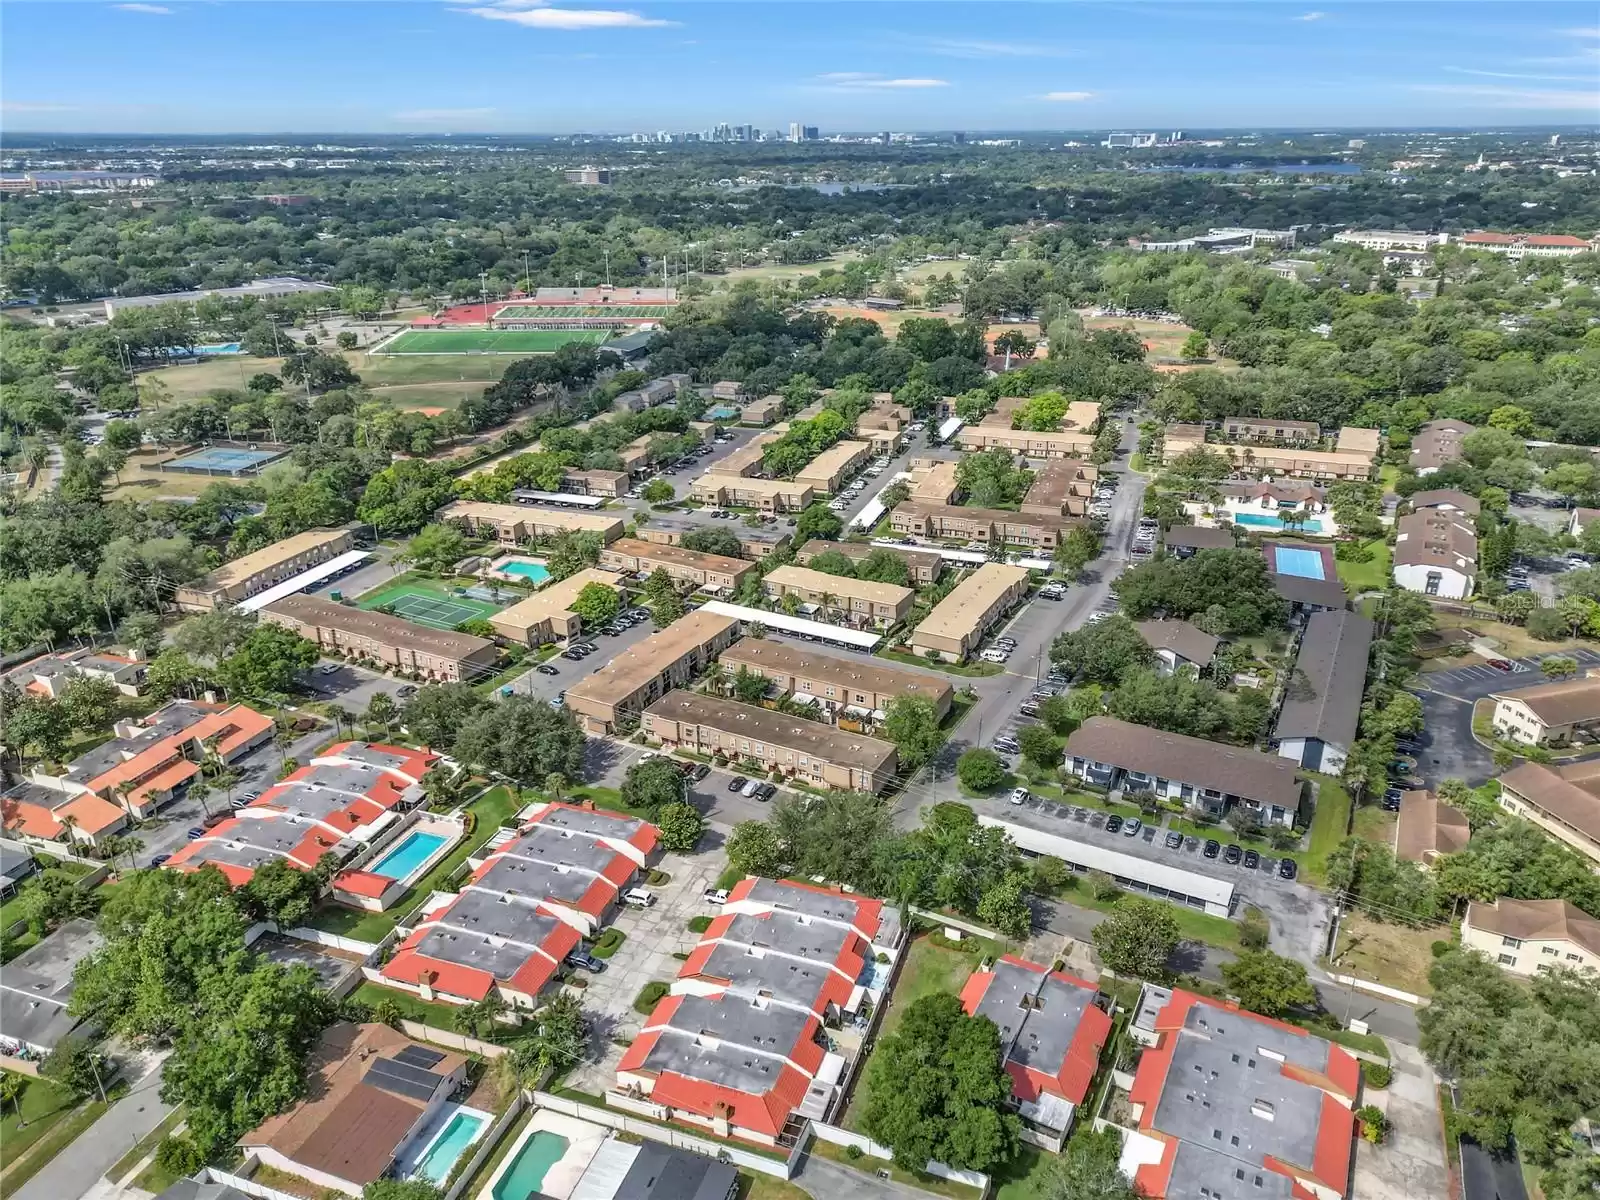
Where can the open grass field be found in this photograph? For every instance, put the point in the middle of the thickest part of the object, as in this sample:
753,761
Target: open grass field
190,381
1329,826
435,607
489,341
1370,576
890,322
776,272
1396,956
139,480
382,371
919,273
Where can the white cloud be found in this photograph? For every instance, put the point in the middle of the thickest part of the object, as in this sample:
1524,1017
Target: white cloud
972,48
155,10
28,106
853,81
430,115
1312,16
1505,97
536,15
1069,96
1517,75
1592,31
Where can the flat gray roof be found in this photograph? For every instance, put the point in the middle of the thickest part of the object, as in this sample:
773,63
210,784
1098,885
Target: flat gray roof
590,822
746,1047
1040,1035
796,962
487,934
36,985
826,906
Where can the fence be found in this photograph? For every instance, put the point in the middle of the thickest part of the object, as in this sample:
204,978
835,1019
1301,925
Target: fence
486,1146
778,1168
1378,989
248,1186
843,1137
455,1041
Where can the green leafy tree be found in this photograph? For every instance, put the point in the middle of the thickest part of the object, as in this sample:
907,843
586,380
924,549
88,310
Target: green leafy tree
1059,715
401,1189
1268,983
1195,346
1101,652
597,604
653,785
524,739
818,521
681,826
571,552
715,541
836,836
437,547
912,724
936,1089
437,712
268,662
76,1065
213,636
980,770
1138,938
658,491
1088,1170
559,1038
754,848
1040,747
1004,907
282,894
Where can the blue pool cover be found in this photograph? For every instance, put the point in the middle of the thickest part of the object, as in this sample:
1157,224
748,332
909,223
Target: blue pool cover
1303,564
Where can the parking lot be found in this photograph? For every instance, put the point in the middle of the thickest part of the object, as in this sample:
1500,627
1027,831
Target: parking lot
563,673
654,935
1478,680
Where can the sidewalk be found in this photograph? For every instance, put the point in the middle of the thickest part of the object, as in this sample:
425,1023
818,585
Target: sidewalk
76,1171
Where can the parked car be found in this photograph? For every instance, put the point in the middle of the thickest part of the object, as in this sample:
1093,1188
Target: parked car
1500,664
1213,848
700,771
560,700
407,691
1232,855
195,834
1131,827
766,791
737,783
751,787
1113,823
1018,795
715,895
328,669
1252,859
587,962
638,897
159,860
546,669
1029,710
1174,840
1287,868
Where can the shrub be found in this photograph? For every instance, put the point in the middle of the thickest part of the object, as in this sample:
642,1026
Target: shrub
179,1156
1102,886
649,996
1377,1075
1254,933
1440,949
1374,1125
699,924
852,1152
608,941
658,879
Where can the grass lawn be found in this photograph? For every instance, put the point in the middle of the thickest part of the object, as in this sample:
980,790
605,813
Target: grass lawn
1512,640
972,669
431,395
1372,576
930,968
1329,826
772,272
1397,956
413,1008
1023,1177
380,371
53,1119
488,811
871,1166
1372,824
155,1178
190,381
754,1186
1193,926
489,341
1061,795
12,909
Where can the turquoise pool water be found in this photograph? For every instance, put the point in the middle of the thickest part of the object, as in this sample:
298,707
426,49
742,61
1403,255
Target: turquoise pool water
1311,525
441,1157
408,855
532,572
526,1173
1304,564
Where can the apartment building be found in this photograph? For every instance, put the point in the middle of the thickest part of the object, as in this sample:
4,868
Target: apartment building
1207,775
1351,459
763,411
257,571
1427,828
637,677
744,461
1390,239
962,523
1562,801
737,1047
1523,935
755,544
547,616
834,467
440,655
1226,1103
1438,443
1528,245
1549,713
1178,644
925,566
727,389
763,495
1265,429
933,481
1062,487
857,687
1321,712
596,483
712,571
1436,554
52,674
514,524
810,751
957,623
1033,443
858,601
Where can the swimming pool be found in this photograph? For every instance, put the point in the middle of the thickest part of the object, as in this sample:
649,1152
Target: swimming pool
537,1155
1265,522
531,571
410,854
1302,564
459,1133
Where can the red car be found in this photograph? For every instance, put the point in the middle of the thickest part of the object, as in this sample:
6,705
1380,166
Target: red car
1499,664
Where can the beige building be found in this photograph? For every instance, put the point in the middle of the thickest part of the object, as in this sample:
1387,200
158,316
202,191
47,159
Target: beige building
1033,443
856,686
1307,464
960,523
1524,935
832,469
640,675
436,654
744,461
1428,828
924,565
256,572
814,753
1549,713
956,625
687,566
1564,802
863,601
596,483
1265,429
763,411
546,615
764,495
1062,487
755,544
933,481
514,524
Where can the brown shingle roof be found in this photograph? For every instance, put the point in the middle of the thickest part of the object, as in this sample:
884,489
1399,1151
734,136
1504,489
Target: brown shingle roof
1438,496
1200,537
1567,702
1231,769
1428,826
1323,698
1558,793
1537,920
1188,642
1438,442
381,627
1432,538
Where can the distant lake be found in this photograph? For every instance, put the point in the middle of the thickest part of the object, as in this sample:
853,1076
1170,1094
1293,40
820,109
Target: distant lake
1280,168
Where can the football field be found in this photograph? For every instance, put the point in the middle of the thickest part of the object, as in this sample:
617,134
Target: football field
489,341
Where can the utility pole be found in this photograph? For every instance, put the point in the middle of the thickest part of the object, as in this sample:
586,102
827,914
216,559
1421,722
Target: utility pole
527,276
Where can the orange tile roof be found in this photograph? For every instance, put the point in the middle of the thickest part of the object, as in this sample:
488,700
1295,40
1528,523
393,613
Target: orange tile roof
362,883
35,820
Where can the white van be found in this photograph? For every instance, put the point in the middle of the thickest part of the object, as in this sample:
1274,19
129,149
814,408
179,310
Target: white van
638,897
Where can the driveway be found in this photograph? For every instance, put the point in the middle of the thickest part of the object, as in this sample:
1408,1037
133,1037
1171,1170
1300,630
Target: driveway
825,1179
654,935
1412,1162
607,762
1489,1176
350,687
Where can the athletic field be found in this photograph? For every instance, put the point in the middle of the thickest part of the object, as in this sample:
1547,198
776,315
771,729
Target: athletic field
489,341
425,607
545,312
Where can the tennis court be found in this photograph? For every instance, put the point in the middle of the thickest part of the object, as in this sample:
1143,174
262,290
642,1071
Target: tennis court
434,609
489,341
525,312
222,460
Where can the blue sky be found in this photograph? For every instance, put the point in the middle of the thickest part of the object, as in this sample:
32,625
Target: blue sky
537,66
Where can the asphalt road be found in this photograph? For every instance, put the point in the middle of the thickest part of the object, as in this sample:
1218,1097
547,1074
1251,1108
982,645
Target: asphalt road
76,1170
1489,1176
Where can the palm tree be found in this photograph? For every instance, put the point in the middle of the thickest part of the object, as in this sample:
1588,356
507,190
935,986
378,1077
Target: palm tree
555,785
227,781
124,790
131,846
11,1089
69,824
198,791
381,710
283,737
481,1016
341,717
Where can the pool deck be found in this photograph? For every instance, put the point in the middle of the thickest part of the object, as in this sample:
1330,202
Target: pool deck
408,1162
1318,525
497,569
583,1143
